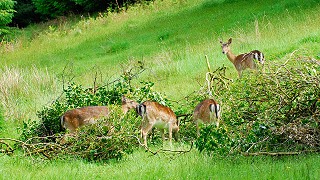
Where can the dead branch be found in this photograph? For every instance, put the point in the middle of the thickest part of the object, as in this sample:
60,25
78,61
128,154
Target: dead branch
8,150
253,144
278,153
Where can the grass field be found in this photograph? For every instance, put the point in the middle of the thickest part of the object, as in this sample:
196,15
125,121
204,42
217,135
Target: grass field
142,165
172,38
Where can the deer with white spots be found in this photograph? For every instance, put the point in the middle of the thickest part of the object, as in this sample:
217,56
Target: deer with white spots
242,61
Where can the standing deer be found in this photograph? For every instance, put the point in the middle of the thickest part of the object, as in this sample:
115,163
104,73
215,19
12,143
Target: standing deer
75,118
207,111
155,115
242,61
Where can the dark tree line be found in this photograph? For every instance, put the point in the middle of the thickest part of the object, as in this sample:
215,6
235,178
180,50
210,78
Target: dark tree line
34,11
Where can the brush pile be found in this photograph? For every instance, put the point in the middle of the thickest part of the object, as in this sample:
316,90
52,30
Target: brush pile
274,109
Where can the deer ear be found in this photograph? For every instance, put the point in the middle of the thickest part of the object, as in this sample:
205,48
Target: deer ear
230,41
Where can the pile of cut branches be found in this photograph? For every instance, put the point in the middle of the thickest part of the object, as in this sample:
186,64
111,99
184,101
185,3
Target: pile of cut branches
113,137
276,109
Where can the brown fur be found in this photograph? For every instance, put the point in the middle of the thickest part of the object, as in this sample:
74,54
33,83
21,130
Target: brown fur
75,118
128,104
203,114
241,61
159,116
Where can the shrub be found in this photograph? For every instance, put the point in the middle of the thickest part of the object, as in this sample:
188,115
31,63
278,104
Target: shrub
111,138
6,15
276,109
24,14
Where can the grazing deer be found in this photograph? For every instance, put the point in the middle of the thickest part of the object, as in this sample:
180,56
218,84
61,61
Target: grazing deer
128,104
242,61
206,112
75,118
155,115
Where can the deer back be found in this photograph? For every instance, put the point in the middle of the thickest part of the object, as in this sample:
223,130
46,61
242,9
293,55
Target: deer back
75,118
244,61
204,110
154,113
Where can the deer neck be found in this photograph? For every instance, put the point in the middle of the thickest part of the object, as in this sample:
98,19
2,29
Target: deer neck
231,56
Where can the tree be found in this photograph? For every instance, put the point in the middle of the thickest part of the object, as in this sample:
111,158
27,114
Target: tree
25,14
6,15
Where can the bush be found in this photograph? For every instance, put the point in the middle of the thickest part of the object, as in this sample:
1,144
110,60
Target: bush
6,15
54,8
111,138
275,110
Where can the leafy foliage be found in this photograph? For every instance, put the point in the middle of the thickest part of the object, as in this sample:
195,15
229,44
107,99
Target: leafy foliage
102,142
111,138
6,15
276,109
54,8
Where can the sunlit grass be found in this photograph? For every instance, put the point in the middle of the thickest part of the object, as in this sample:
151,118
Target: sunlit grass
24,91
142,165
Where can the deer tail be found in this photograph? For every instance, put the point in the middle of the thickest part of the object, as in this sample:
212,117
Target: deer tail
259,56
215,108
141,109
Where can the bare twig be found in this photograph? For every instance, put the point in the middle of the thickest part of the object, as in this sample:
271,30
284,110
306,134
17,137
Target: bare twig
277,153
253,144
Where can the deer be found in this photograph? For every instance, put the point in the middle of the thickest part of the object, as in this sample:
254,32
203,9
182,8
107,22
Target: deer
207,111
76,118
242,61
128,104
155,115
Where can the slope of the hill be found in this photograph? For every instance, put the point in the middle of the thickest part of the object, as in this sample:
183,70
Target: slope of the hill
170,37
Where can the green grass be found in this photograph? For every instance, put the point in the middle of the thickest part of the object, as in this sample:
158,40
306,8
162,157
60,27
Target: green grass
142,165
171,38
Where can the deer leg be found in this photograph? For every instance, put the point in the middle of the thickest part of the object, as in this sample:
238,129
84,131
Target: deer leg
198,131
162,134
240,74
170,134
144,132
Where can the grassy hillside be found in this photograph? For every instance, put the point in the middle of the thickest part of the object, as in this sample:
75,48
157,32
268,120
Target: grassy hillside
171,38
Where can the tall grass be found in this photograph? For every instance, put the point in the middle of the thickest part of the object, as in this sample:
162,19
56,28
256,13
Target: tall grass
21,88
